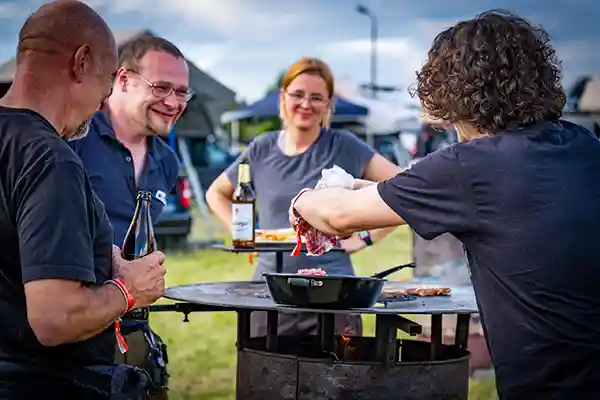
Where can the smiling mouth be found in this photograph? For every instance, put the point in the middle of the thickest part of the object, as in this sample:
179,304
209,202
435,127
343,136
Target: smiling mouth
162,114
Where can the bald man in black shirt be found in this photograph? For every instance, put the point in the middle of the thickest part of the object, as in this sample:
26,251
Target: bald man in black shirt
62,284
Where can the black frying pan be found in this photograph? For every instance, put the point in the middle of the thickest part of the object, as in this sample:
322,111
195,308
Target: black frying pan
334,292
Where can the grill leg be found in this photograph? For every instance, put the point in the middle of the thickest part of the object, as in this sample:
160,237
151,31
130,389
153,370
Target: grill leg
386,343
327,332
272,319
462,331
243,331
436,336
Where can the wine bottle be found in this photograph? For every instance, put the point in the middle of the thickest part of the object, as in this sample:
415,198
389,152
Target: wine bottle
139,241
243,209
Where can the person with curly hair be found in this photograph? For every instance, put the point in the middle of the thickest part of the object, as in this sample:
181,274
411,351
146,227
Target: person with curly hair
520,191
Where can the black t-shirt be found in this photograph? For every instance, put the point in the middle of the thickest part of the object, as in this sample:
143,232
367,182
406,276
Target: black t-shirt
52,226
526,205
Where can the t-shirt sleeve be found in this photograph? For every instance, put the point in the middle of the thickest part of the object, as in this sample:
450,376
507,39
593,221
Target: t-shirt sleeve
433,196
54,224
358,153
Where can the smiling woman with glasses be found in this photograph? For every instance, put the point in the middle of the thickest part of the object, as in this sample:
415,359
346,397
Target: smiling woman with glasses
283,162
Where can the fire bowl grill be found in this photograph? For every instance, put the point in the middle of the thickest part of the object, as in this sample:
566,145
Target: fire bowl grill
381,367
300,369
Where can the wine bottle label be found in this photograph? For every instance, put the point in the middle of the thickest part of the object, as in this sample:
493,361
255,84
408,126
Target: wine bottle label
242,224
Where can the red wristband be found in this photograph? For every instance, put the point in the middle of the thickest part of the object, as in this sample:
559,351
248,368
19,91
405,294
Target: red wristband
125,291
121,343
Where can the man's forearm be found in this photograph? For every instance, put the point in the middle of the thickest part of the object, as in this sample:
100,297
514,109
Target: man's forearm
319,208
106,304
362,183
379,234
341,212
71,312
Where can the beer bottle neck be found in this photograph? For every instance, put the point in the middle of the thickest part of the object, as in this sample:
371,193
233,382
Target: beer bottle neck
244,173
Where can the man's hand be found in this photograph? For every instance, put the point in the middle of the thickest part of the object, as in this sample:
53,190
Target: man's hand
353,244
145,277
292,215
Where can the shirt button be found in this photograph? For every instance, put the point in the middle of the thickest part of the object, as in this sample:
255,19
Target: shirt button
128,159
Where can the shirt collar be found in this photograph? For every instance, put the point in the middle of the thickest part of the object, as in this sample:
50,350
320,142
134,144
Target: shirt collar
155,147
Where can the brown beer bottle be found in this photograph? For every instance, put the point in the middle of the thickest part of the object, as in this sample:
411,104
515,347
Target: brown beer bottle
139,241
243,209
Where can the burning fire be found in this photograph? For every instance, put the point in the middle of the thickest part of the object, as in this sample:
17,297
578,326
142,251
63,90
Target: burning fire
348,352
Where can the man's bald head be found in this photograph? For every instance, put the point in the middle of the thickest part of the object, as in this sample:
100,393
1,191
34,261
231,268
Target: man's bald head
60,27
66,63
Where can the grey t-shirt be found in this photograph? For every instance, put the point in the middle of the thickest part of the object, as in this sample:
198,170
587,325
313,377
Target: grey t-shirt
277,178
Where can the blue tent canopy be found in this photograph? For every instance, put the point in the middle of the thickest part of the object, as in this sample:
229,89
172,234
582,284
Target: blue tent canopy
268,106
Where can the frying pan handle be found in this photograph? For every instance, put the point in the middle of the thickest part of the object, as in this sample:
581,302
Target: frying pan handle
304,282
390,271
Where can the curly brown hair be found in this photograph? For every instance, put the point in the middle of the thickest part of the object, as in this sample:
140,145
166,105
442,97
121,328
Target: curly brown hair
497,72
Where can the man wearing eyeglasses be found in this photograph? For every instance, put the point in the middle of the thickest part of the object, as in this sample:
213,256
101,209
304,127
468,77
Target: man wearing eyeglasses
122,154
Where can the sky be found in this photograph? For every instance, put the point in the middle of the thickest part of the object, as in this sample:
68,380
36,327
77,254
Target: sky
245,44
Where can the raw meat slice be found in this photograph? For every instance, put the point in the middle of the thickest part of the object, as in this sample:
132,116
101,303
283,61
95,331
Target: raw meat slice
312,272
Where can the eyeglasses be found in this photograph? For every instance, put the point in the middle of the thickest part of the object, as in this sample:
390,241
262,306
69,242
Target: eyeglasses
164,89
314,99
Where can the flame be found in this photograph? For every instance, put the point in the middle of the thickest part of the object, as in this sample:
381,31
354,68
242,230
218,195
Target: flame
345,341
348,351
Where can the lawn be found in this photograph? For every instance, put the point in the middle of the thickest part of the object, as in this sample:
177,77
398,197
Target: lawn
202,357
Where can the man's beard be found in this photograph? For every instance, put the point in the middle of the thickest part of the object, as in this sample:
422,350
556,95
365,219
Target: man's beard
81,131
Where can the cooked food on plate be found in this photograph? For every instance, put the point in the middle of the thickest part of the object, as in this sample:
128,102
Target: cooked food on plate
276,235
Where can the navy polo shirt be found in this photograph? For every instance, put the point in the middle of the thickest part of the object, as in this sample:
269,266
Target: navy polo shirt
109,165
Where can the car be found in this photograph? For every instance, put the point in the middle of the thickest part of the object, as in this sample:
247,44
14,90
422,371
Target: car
432,137
209,158
174,226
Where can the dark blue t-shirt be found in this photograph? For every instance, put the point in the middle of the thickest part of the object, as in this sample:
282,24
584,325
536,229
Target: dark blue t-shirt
526,205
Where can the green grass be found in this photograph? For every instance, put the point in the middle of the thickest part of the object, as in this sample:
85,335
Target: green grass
202,357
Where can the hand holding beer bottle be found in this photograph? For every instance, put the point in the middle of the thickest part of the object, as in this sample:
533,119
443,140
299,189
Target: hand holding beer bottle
145,276
140,265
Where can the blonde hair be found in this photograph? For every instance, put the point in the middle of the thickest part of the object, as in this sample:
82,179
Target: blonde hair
311,66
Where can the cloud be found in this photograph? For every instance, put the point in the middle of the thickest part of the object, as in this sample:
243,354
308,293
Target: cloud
9,10
398,57
207,56
579,57
229,18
